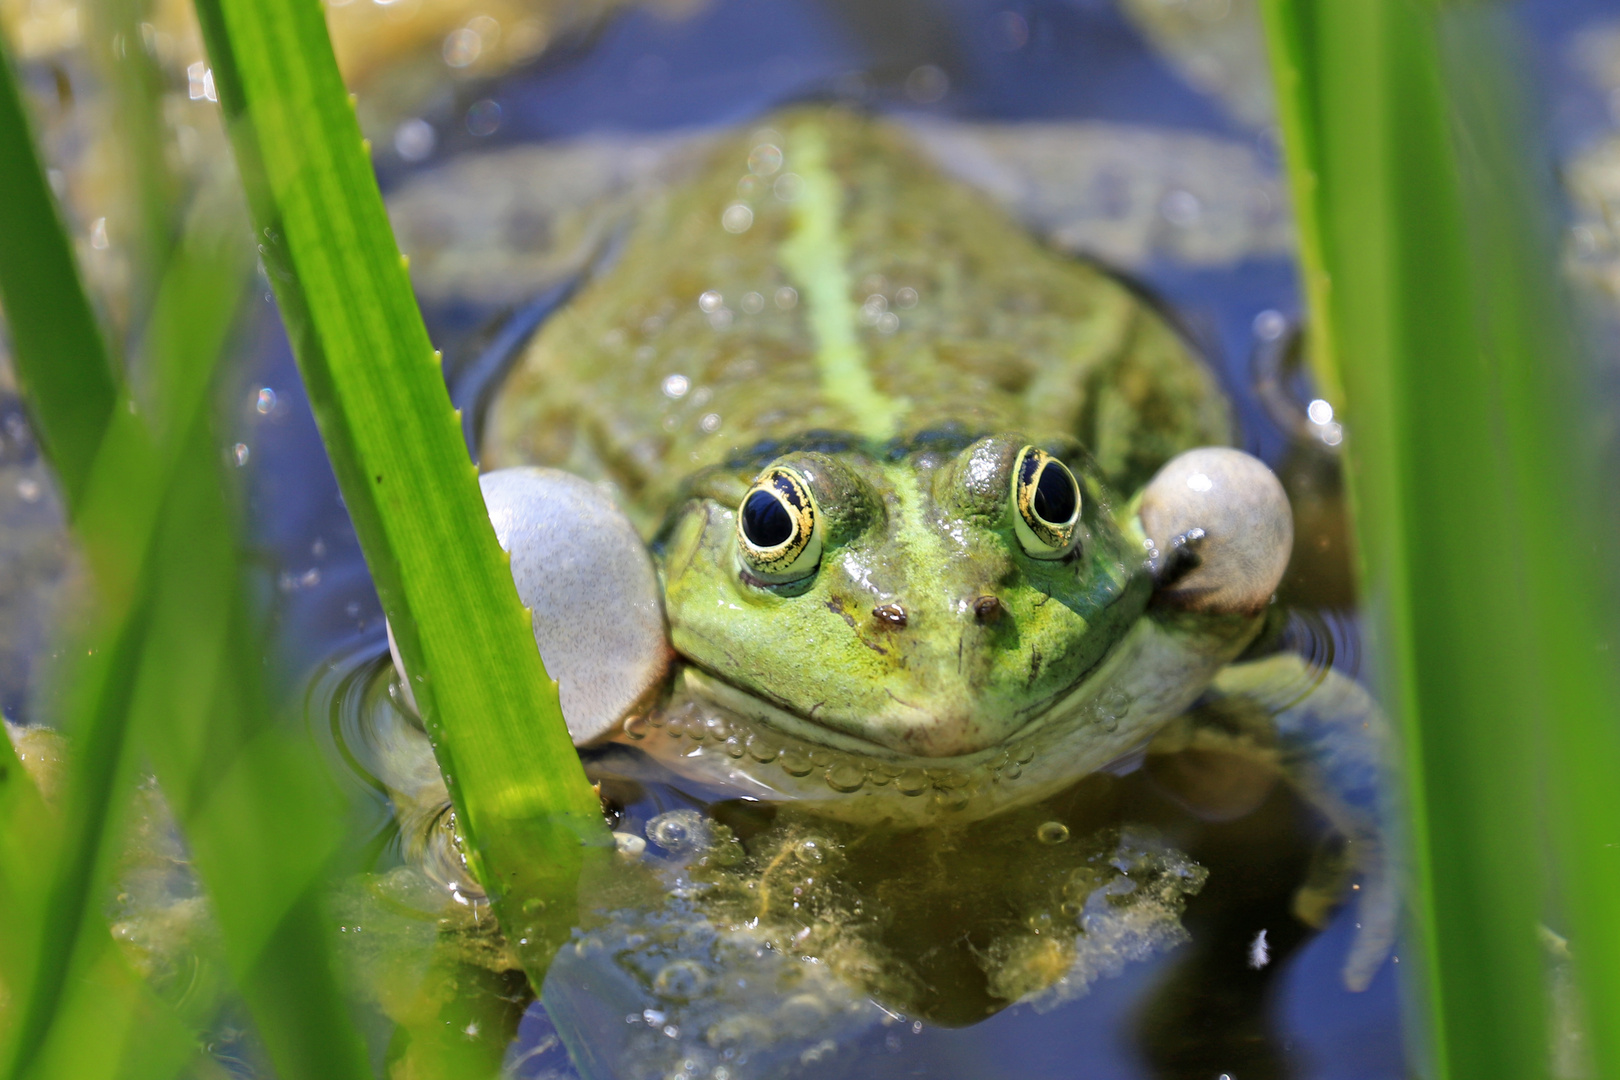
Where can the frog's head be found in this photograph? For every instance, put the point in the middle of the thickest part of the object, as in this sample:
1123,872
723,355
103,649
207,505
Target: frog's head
933,598
931,602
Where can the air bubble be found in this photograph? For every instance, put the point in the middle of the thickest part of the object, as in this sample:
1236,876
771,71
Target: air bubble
734,747
947,799
762,749
678,830
681,980
1082,882
1114,704
810,851
911,782
846,776
787,187
1052,832
765,160
636,727
795,762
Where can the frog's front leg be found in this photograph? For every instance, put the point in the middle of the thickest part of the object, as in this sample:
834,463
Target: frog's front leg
1323,733
586,577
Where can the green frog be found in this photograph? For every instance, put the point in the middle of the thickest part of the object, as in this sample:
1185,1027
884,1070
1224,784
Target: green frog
836,493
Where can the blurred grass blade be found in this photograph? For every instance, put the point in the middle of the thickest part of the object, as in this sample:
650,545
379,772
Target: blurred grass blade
395,445
172,671
60,357
1410,154
28,835
147,214
262,822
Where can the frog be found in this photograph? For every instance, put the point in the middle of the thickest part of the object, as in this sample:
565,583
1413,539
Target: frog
833,490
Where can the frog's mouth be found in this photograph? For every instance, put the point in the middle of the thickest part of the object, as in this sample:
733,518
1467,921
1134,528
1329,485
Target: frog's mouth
936,735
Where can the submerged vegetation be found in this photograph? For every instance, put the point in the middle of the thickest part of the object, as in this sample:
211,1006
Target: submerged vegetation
1437,330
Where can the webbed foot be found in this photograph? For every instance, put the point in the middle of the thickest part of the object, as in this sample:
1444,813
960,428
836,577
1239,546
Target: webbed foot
1332,743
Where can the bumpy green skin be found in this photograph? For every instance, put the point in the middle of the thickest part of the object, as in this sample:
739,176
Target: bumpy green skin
1005,335
931,534
1006,344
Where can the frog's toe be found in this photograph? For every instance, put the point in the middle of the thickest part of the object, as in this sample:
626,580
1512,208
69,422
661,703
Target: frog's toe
1221,531
585,575
1378,912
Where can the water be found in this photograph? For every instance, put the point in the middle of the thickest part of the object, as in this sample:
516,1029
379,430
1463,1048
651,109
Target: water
1189,1002
1195,1007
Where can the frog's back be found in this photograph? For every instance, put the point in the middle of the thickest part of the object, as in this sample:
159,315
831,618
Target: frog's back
824,276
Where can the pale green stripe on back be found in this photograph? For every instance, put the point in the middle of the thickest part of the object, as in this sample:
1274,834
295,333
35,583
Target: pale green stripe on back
816,256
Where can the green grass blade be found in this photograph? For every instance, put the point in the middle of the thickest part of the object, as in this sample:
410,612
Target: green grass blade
60,357
28,834
147,216
395,445
171,673
1406,126
263,823
1290,28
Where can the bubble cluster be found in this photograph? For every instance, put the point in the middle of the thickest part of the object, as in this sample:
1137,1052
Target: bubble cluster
679,831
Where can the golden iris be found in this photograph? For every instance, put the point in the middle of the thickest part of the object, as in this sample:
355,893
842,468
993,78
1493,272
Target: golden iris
1046,501
779,527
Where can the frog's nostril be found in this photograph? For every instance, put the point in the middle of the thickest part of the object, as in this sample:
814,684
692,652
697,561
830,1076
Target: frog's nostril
891,614
987,610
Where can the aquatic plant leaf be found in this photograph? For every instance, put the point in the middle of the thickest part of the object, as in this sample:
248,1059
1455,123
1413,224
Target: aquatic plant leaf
27,837
1477,512
59,353
395,444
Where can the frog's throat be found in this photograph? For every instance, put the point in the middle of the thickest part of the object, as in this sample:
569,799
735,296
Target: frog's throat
1156,671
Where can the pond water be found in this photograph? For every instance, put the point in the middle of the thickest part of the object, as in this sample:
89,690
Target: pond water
1193,963
1150,999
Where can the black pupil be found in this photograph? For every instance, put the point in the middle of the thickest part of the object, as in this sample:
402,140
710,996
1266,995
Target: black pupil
765,521
1054,495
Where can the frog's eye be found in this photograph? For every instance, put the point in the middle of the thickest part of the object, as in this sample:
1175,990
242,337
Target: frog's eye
779,528
1047,500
